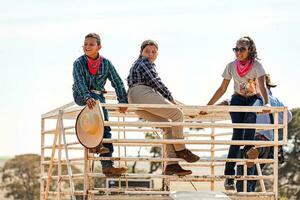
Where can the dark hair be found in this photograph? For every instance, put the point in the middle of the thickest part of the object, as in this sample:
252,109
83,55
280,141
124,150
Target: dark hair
246,40
94,35
269,83
146,43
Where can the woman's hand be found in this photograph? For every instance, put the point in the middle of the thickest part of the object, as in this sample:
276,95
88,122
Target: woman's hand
203,113
267,109
91,103
174,102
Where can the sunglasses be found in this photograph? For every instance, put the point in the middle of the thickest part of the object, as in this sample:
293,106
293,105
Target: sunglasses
241,49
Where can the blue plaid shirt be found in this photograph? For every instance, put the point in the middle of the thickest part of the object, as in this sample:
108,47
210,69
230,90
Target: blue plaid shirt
84,82
143,72
265,119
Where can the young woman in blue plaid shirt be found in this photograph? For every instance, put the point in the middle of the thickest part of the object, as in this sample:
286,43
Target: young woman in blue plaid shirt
146,87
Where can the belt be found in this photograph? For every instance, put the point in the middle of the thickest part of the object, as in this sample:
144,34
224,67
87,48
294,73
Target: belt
247,96
137,84
98,91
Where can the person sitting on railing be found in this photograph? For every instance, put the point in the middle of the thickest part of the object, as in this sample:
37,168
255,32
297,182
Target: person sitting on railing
90,73
146,87
249,85
264,135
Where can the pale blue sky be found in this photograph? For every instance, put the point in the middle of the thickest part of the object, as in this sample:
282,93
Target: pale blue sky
39,40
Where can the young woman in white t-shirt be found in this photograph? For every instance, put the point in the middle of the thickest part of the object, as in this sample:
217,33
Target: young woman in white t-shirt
249,86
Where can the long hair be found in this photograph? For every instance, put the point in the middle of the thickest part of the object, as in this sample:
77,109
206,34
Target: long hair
246,40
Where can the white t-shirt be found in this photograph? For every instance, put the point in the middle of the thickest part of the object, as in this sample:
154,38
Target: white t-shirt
248,84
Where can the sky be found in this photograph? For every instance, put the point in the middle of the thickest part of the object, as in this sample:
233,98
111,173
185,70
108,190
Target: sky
39,41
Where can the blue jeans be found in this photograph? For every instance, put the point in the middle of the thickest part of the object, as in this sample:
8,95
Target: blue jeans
264,152
240,134
80,101
251,184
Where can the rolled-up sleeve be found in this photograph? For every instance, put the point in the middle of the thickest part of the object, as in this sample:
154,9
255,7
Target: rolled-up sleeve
227,74
79,80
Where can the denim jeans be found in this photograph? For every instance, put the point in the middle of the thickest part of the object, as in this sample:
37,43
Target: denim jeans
264,152
240,134
107,134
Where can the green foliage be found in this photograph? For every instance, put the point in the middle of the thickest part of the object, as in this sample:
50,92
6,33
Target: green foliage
21,177
98,182
155,151
289,173
64,169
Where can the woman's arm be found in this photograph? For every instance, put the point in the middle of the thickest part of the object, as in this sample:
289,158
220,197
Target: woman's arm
151,75
219,93
263,89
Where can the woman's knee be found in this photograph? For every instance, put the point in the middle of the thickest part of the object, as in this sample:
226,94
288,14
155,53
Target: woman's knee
177,116
238,134
167,132
250,117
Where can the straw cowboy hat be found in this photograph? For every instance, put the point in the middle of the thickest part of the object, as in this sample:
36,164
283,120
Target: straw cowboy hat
90,126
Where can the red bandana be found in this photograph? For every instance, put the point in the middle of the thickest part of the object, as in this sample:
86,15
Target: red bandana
243,68
94,65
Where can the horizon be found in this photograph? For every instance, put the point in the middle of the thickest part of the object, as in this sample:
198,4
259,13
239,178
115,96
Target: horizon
195,38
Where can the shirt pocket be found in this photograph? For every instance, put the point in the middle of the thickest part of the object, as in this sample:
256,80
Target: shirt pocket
102,75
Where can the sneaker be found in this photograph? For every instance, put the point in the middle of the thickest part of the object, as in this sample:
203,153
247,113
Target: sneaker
177,170
229,184
187,155
113,171
251,154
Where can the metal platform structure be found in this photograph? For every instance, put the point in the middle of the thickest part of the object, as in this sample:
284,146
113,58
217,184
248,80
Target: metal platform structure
61,153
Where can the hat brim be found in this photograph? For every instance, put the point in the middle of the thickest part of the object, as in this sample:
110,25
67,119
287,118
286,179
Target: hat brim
90,140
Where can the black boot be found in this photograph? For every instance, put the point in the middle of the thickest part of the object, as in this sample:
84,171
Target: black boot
229,184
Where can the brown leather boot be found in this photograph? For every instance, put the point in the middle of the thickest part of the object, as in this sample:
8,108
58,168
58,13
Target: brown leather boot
103,150
187,155
99,150
113,171
252,154
177,170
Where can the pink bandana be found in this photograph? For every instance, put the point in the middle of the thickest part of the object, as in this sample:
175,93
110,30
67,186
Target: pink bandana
243,67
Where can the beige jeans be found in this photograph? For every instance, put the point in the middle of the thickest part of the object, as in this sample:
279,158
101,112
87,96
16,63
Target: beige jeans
142,94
